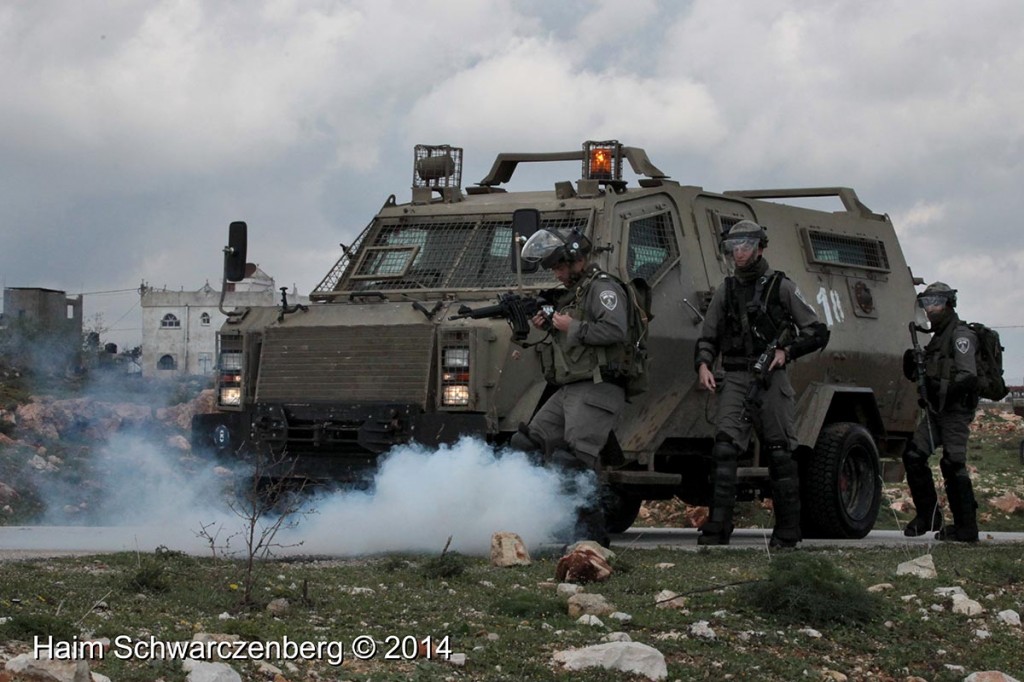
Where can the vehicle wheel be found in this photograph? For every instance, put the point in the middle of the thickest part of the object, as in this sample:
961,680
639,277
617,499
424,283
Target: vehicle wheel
620,510
841,483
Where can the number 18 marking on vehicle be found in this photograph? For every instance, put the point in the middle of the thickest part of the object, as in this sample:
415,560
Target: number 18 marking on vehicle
831,303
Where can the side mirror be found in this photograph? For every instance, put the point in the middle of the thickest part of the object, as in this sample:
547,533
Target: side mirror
234,252
525,221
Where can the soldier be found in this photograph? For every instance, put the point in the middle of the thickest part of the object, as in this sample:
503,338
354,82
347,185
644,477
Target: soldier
589,332
753,310
951,380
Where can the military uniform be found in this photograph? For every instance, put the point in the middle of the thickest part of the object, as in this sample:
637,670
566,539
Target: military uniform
746,313
581,414
951,382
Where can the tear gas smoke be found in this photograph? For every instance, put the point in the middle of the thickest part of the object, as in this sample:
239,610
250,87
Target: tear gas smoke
418,498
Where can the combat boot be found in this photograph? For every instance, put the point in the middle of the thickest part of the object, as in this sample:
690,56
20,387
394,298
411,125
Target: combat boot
718,528
962,504
785,482
922,491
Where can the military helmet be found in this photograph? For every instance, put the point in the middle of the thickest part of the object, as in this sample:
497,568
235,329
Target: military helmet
937,293
745,232
550,247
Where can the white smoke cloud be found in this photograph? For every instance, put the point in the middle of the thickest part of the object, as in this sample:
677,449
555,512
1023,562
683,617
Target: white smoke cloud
419,498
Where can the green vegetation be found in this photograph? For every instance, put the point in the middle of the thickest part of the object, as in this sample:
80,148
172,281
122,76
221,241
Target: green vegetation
509,621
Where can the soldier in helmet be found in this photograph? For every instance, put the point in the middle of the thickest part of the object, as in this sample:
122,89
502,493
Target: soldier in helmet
588,335
952,385
755,308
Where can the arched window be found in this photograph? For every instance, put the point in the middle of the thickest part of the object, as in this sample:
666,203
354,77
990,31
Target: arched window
204,319
170,321
166,362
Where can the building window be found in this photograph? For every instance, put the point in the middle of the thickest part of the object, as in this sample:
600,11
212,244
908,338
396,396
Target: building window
170,321
204,319
166,362
206,363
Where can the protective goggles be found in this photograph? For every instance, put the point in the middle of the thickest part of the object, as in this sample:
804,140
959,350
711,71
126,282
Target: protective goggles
932,300
742,244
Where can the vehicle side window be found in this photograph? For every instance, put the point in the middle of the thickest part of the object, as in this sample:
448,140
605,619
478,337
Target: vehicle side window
652,247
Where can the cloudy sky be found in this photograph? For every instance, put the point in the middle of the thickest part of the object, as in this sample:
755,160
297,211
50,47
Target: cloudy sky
133,132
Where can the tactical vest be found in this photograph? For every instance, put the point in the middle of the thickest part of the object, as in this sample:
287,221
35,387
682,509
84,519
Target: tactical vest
565,363
754,316
938,354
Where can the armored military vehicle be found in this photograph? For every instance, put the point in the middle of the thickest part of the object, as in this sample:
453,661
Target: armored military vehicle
377,359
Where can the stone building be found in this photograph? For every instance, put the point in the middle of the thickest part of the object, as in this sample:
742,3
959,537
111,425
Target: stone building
179,328
45,326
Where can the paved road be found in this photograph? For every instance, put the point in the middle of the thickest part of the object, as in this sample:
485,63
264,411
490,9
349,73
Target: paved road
24,542
686,538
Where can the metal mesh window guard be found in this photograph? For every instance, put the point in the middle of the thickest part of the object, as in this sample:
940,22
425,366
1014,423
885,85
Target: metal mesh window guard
441,253
652,247
834,249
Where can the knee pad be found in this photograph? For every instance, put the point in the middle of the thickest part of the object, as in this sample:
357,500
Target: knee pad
781,464
914,458
725,451
951,469
523,441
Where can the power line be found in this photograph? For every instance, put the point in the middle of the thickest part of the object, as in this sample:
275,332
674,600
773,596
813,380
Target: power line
112,291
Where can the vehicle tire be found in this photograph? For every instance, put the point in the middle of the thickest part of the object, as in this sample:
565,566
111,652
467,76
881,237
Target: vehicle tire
841,483
620,510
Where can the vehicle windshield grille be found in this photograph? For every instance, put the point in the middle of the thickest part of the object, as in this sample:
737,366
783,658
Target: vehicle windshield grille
442,253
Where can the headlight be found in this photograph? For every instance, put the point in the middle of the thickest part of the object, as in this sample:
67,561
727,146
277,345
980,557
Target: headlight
455,394
231,396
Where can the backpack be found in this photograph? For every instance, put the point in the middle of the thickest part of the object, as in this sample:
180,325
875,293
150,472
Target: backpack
989,360
636,359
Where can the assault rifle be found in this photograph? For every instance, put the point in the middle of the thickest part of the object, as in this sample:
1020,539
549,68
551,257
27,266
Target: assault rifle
762,374
922,381
517,309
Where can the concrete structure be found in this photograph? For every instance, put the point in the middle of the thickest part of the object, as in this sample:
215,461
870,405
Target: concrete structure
179,328
51,319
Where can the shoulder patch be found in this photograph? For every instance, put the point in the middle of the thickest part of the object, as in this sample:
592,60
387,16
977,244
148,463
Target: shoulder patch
963,345
608,299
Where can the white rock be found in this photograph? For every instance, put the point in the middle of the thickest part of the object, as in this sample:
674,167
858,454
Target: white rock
1010,617
588,619
201,671
566,590
457,659
810,632
667,599
279,606
593,604
616,637
950,591
703,630
966,606
922,567
664,565
982,634
602,551
621,617
881,587
225,616
629,657
989,676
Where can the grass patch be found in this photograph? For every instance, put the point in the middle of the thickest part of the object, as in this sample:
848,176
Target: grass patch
509,621
811,589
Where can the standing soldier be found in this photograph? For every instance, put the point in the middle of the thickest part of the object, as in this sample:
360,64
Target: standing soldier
756,320
584,357
951,385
